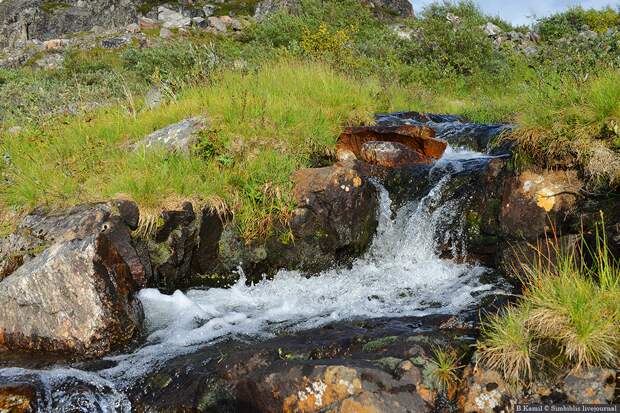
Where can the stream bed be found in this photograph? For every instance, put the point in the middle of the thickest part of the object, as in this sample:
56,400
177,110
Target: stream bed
402,283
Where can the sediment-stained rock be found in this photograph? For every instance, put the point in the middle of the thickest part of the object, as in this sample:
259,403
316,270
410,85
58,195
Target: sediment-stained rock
420,139
392,155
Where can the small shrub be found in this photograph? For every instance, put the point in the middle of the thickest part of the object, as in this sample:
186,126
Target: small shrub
444,370
575,20
453,46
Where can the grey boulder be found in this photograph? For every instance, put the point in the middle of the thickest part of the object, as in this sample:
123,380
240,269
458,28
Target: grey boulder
179,137
77,296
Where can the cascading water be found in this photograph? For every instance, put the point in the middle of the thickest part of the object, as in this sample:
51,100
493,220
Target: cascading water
401,275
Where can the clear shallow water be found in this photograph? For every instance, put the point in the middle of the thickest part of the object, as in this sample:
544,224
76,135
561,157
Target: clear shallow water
401,275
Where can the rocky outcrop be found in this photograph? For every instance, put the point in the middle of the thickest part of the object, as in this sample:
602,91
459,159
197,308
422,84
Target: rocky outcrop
22,20
381,8
77,294
334,222
419,139
484,390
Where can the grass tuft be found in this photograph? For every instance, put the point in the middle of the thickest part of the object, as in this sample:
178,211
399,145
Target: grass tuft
568,315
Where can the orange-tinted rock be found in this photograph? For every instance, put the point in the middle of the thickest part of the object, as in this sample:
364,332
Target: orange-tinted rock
418,138
17,399
392,155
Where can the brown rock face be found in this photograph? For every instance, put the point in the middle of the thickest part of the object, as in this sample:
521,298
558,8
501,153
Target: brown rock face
392,155
17,399
76,294
333,388
419,139
337,204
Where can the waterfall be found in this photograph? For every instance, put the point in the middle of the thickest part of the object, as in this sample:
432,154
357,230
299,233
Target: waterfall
401,275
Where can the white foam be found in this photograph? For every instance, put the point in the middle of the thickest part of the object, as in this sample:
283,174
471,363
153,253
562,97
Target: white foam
401,275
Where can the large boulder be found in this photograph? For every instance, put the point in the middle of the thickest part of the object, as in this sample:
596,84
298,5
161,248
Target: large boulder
22,20
381,8
74,291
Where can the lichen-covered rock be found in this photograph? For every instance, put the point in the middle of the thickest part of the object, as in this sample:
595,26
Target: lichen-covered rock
485,391
315,387
593,386
533,202
17,399
75,292
381,366
179,137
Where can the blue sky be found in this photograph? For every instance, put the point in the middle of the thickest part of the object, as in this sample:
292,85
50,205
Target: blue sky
518,11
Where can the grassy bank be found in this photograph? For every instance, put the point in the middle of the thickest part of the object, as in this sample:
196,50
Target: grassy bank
278,95
263,126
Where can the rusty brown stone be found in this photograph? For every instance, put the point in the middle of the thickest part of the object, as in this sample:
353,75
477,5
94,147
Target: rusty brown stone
17,399
418,138
392,155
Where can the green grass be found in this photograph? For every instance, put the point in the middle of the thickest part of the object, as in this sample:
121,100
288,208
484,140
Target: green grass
568,317
264,126
445,370
278,96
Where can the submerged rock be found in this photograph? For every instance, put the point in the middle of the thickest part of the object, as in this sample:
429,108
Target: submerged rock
74,290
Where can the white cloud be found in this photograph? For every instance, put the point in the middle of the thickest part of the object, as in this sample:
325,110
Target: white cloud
521,11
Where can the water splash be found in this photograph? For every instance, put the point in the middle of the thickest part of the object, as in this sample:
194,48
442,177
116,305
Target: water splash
401,275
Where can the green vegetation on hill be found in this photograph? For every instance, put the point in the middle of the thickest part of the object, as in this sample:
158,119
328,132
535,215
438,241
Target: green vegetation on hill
279,93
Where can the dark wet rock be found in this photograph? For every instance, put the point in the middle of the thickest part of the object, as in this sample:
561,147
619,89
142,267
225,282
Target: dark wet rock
375,366
453,129
170,248
420,139
179,137
74,290
534,202
22,20
336,214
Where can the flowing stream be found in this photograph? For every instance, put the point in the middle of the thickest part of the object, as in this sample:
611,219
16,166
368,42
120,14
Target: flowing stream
401,275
